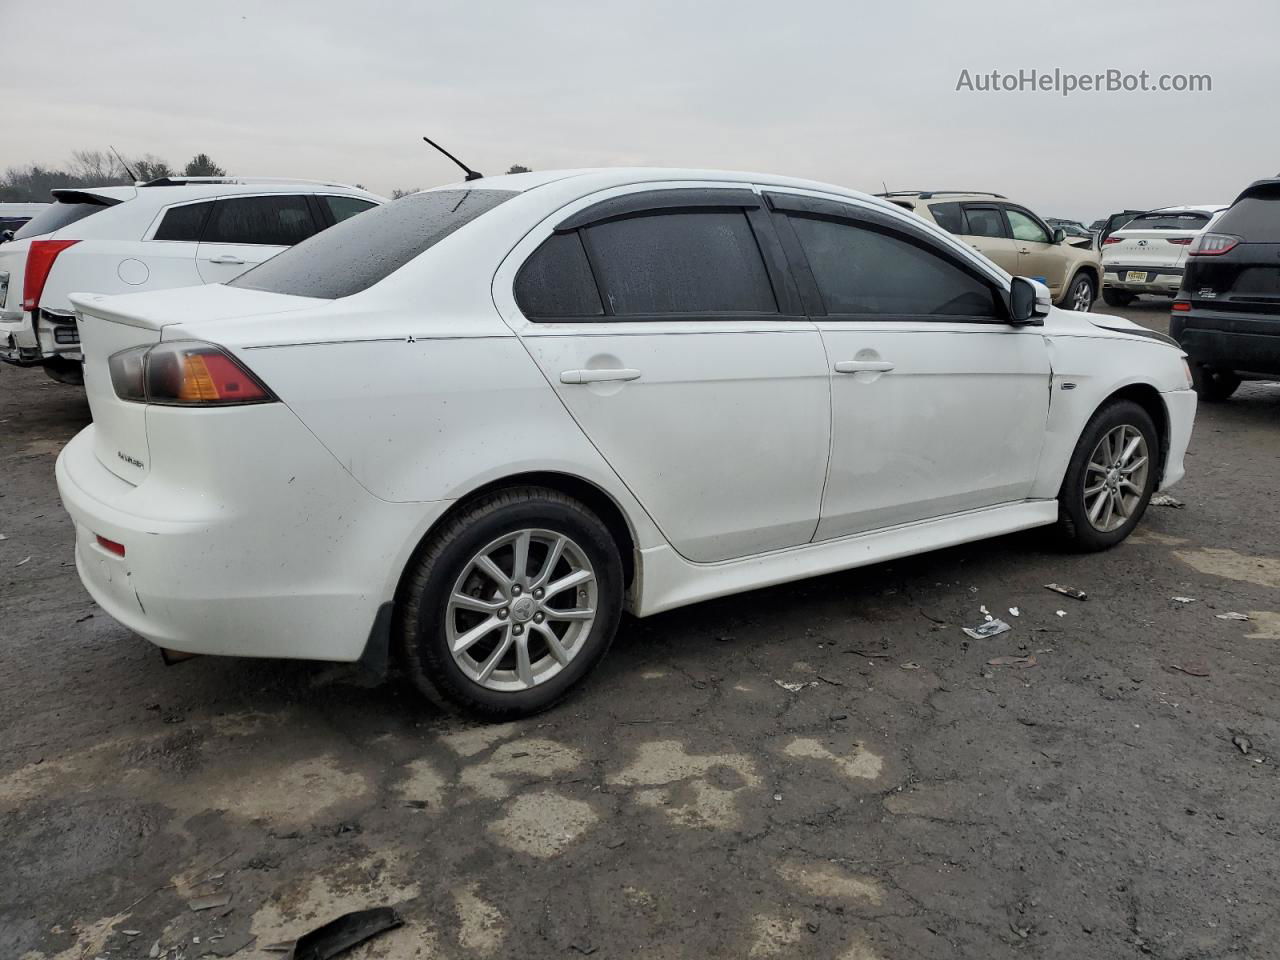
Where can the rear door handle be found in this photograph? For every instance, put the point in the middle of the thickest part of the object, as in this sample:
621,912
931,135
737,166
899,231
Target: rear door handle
598,376
858,366
227,258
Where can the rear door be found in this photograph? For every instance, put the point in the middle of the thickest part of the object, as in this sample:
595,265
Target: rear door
987,231
938,407
243,231
668,325
170,247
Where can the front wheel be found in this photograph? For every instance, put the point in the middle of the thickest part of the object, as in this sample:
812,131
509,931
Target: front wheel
1117,298
1080,294
1110,478
511,604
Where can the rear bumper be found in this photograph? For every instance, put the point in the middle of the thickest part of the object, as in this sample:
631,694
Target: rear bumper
1181,408
276,556
1230,341
17,340
1159,279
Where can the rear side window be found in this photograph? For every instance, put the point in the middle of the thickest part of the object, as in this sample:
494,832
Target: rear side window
556,281
680,263
984,222
343,207
278,221
1168,221
60,214
1255,218
355,254
184,222
948,216
866,272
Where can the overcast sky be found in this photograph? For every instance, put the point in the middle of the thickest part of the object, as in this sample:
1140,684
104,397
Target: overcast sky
854,93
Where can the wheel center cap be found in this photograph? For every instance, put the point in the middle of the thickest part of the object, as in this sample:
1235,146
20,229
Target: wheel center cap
523,609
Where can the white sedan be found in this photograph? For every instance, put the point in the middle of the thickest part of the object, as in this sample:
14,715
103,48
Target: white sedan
469,429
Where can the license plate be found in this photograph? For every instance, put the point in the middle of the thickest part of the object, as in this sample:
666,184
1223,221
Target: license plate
1135,276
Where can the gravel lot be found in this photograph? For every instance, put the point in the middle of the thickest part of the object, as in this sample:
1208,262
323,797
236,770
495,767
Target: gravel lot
898,799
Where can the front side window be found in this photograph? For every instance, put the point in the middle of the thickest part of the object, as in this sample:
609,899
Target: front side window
1025,228
184,223
343,207
279,221
984,222
863,271
681,262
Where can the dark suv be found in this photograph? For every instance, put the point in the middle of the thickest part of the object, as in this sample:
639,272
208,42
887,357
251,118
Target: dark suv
1227,314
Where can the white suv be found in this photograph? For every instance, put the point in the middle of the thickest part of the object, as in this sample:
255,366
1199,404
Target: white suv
173,232
1148,254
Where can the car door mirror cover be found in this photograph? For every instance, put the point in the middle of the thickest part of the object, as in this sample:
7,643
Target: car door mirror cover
1027,301
1059,235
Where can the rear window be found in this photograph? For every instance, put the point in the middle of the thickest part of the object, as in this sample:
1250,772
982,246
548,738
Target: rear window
948,216
61,214
1191,220
1256,218
358,252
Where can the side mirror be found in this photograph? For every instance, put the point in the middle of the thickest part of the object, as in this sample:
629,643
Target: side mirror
1028,301
1059,234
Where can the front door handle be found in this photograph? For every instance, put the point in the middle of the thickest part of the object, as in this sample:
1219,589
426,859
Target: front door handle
860,366
598,376
227,258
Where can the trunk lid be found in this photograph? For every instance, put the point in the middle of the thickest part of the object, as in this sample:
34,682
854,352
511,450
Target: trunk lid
1156,248
109,324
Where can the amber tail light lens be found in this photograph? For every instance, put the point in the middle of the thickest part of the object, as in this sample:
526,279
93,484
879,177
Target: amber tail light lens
185,373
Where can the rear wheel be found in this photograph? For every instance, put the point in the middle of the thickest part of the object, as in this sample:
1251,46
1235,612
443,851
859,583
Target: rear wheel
65,371
1080,294
1212,385
1117,298
1110,478
511,604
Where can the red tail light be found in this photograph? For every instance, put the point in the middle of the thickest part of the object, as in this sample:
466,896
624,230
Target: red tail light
1182,306
1212,244
1180,241
1111,240
40,257
184,373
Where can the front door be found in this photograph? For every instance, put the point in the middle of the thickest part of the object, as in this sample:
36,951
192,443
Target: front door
1038,256
667,325
938,407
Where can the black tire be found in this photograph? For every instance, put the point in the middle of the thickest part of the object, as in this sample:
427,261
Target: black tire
1117,298
65,371
1081,281
1211,385
1074,525
422,639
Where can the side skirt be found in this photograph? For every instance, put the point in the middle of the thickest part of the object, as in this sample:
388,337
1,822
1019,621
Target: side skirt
666,580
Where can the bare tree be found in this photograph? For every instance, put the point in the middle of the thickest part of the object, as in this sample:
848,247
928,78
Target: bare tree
397,193
96,167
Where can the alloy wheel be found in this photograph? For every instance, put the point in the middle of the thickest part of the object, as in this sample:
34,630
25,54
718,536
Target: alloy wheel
1082,296
1116,477
521,610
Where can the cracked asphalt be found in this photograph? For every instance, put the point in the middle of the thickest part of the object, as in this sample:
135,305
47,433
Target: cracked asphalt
829,769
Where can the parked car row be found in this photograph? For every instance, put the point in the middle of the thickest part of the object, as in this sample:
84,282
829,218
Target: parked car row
172,232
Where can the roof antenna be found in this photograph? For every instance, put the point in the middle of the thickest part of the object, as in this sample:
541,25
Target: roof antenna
471,174
885,185
132,176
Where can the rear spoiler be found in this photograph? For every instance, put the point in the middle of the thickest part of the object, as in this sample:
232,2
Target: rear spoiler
83,196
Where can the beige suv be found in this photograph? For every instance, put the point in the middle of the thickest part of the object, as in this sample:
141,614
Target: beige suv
1015,238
